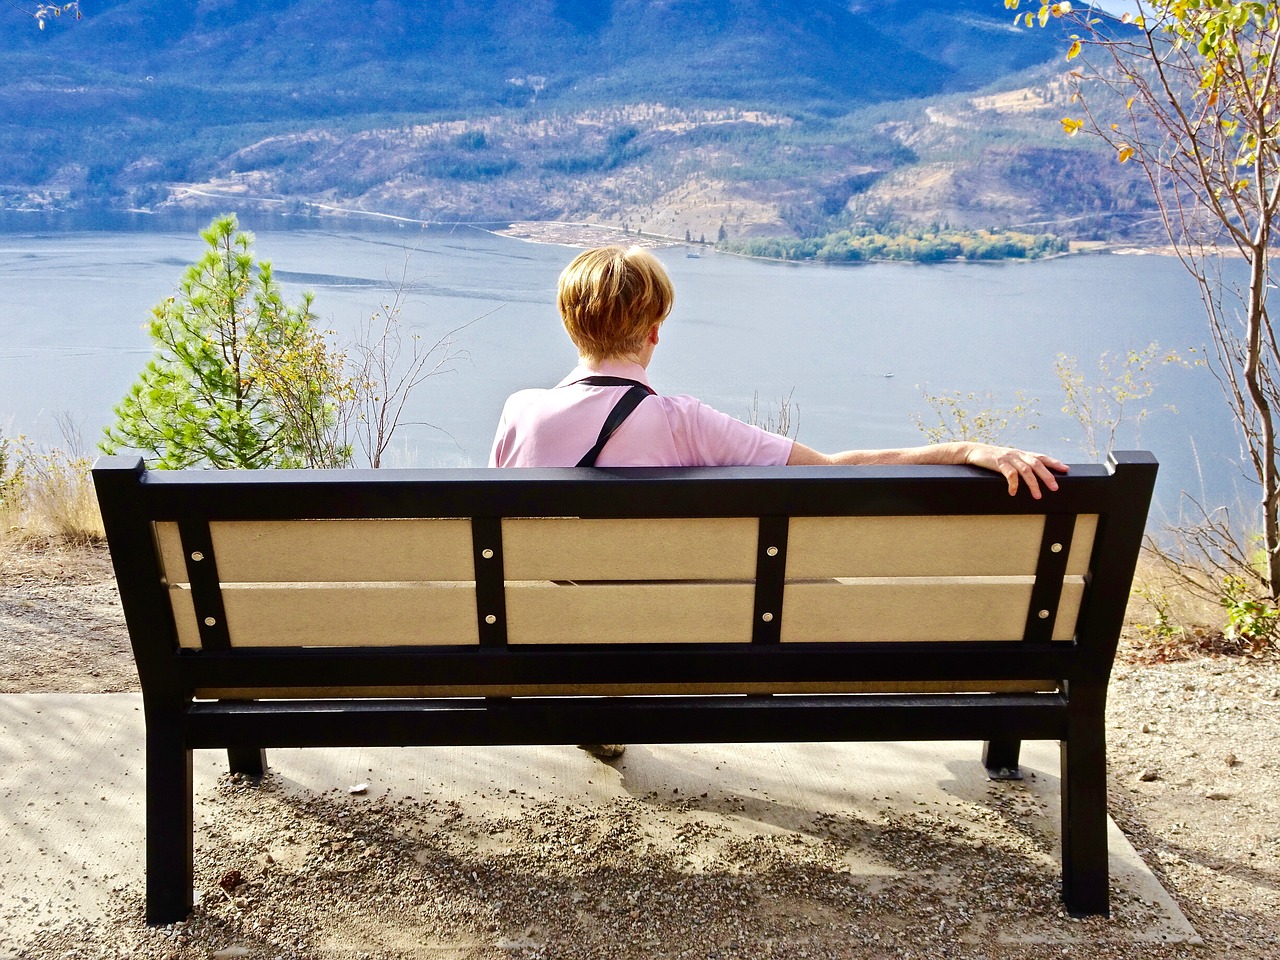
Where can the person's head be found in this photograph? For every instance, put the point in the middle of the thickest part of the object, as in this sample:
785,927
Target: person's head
611,298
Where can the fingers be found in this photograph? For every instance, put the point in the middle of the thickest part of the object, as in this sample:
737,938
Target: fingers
1018,467
1033,469
1011,474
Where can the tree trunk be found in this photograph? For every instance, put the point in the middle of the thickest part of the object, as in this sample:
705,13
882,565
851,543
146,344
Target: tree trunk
1258,339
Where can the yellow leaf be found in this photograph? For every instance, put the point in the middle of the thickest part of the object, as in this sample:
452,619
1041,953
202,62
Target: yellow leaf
1011,4
1074,50
1072,126
1044,16
1125,154
1128,105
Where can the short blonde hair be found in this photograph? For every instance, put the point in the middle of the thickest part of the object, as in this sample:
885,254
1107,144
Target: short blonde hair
610,297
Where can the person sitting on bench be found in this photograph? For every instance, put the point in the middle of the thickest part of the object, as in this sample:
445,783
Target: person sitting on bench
613,301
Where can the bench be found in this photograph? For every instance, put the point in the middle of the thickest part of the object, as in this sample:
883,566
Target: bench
456,607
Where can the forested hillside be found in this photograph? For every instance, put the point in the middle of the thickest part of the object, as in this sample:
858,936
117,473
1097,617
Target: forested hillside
738,117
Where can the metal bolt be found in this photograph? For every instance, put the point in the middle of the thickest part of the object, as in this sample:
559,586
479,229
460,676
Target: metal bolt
772,551
491,619
197,556
1044,614
767,617
487,553
1056,548
210,622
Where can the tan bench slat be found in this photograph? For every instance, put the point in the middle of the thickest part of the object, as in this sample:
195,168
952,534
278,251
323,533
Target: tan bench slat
1064,624
542,612
821,547
297,551
568,548
864,609
1082,544
339,614
906,609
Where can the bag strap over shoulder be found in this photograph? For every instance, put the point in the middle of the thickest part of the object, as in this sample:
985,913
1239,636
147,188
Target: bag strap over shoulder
621,410
599,380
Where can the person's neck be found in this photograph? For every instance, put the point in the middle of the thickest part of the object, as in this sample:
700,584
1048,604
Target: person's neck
630,358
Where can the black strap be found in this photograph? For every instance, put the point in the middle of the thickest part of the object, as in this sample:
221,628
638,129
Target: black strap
599,380
621,410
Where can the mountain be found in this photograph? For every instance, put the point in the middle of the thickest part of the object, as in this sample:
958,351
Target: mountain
507,109
336,58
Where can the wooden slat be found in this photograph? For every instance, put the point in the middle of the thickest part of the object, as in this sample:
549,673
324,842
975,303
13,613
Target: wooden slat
984,546
353,551
906,609
1064,623
1082,544
184,615
173,565
542,612
341,614
560,630
568,548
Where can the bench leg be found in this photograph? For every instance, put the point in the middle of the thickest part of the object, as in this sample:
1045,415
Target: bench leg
1000,757
169,822
247,761
1085,871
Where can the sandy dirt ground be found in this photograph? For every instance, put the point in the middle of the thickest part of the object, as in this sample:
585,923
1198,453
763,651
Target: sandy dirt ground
1195,767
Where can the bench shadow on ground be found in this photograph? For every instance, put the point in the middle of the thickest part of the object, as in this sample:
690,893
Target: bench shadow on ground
912,831
458,849
901,807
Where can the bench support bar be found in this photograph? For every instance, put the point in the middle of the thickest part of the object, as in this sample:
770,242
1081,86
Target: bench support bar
552,720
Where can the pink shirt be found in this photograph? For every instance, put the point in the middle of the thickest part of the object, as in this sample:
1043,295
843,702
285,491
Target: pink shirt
554,428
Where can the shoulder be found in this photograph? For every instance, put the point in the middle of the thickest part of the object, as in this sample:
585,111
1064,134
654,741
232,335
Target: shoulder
709,437
524,400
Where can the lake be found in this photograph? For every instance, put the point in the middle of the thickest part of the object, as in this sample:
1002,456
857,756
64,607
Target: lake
855,347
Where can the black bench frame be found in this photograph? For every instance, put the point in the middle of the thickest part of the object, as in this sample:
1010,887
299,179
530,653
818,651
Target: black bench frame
133,499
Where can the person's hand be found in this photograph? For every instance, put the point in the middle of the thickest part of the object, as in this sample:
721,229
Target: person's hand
1018,466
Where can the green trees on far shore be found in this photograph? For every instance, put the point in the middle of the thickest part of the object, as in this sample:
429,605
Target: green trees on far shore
859,244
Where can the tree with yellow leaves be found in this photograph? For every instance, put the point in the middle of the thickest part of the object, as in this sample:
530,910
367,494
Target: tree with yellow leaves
1189,91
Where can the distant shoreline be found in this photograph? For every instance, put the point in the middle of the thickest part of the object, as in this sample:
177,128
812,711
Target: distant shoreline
566,233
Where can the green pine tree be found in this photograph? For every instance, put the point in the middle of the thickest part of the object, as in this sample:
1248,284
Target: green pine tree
239,379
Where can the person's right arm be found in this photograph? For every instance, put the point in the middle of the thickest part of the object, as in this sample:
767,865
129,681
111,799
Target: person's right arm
1016,466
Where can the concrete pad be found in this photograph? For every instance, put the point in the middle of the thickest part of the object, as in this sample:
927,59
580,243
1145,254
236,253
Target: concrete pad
72,791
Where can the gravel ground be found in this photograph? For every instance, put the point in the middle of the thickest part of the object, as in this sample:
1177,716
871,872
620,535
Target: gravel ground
1195,755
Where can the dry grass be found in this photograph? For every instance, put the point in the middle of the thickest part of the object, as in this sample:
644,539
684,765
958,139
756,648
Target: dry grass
46,495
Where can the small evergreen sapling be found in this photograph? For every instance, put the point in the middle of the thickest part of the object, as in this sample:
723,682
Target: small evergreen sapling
240,378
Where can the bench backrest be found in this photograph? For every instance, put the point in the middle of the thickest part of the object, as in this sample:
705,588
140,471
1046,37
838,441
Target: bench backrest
915,567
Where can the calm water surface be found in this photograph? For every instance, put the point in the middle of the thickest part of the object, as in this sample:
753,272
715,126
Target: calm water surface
855,347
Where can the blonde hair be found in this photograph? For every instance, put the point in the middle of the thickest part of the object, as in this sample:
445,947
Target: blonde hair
609,299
